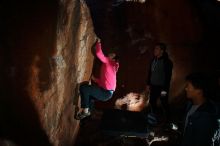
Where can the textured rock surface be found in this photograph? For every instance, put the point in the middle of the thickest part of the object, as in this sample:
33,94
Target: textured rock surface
47,52
73,64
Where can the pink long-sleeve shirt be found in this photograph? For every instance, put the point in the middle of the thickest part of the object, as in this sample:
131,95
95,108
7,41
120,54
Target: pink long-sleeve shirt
109,68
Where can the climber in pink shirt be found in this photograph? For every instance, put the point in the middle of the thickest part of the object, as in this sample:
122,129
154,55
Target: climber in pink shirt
106,83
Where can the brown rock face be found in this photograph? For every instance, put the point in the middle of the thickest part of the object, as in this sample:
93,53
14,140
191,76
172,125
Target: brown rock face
45,52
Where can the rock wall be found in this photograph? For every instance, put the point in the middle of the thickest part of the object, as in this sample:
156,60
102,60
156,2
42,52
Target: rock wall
74,61
45,53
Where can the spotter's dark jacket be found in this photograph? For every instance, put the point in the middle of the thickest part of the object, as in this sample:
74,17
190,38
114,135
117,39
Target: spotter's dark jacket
167,71
201,126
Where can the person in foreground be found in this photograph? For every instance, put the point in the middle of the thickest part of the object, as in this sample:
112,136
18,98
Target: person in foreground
201,119
105,84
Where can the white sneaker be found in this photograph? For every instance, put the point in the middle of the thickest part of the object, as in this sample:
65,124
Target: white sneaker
82,115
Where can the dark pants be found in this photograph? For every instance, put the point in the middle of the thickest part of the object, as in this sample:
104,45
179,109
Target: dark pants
89,92
155,94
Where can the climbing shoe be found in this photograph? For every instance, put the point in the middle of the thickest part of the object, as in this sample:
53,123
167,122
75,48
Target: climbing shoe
82,115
